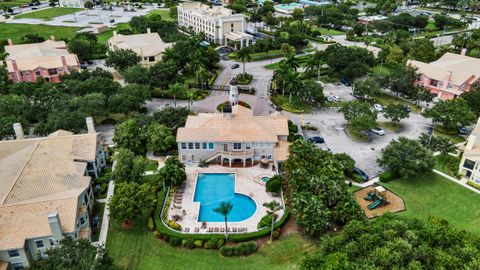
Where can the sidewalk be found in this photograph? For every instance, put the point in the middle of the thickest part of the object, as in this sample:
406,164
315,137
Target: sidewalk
106,214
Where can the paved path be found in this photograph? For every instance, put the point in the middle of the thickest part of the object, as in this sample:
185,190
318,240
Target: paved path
106,214
260,106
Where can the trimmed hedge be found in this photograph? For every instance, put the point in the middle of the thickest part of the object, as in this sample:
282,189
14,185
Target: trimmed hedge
163,230
243,249
473,184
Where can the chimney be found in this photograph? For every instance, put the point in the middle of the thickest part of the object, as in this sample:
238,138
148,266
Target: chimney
448,78
90,125
149,30
463,51
114,33
52,38
64,64
55,225
10,42
15,69
18,129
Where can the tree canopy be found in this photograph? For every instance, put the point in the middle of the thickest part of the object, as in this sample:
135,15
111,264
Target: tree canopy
130,200
451,113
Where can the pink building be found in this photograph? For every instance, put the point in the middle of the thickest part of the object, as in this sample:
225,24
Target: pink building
449,76
48,60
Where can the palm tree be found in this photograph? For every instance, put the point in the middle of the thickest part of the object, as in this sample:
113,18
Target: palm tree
244,55
202,75
292,83
281,74
224,209
272,208
169,54
175,89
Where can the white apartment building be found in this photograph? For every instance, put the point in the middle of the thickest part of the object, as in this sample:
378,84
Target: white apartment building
219,24
470,163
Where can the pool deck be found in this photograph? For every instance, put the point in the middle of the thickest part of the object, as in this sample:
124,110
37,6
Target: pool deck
245,183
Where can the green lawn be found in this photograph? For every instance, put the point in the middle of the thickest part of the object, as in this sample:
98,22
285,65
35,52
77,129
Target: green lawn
137,249
152,165
15,3
447,164
385,100
391,126
296,106
103,37
433,195
326,31
454,138
380,70
164,13
17,31
48,14
356,134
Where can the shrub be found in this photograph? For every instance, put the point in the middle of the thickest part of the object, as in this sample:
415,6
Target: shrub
175,241
297,137
190,243
242,249
265,221
184,242
156,234
274,184
292,127
473,184
276,233
386,176
198,243
174,225
150,224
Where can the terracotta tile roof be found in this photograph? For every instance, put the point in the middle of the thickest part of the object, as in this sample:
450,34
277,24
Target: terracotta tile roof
281,150
149,44
241,127
38,176
462,67
3,265
46,54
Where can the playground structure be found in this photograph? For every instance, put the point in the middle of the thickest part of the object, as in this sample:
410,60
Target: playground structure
376,200
378,196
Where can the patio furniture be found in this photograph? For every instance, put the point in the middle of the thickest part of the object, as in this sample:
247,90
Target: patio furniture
186,229
210,229
222,229
204,225
176,217
176,206
197,229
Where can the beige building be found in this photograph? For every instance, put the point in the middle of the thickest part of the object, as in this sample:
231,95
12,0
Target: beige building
45,192
219,24
449,76
148,46
234,136
470,163
48,60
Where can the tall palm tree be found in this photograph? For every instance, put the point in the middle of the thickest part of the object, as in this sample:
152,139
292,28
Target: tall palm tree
244,55
202,75
292,83
280,75
224,209
272,208
175,89
169,54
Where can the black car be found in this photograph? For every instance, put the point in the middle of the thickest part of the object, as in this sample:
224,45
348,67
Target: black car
234,66
345,82
361,173
316,139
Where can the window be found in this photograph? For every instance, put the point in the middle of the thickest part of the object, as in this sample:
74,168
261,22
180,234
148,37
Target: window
145,58
37,72
51,241
237,146
248,146
13,253
211,145
17,266
269,157
39,243
184,145
433,82
469,164
204,146
82,220
190,145
151,59
197,145
52,71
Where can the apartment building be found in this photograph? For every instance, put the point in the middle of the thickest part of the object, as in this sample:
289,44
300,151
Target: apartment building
48,60
45,192
148,46
219,24
470,162
449,76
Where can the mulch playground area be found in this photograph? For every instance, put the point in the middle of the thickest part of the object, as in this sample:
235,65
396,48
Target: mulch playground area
389,201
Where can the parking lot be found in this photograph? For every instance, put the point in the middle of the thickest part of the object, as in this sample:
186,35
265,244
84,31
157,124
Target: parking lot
331,126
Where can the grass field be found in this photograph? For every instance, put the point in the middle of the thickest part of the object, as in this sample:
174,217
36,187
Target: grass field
162,12
326,31
48,14
17,31
15,3
296,106
136,248
103,37
433,195
454,138
447,164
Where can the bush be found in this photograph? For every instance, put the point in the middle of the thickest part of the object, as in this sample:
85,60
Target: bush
274,184
242,249
198,243
292,127
175,241
174,225
150,224
386,176
266,221
473,184
190,243
297,137
156,234
276,233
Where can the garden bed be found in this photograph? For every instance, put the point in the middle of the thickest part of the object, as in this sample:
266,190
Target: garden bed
356,135
296,106
447,164
392,126
241,103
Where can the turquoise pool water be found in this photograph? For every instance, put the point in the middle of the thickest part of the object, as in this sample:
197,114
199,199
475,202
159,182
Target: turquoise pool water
290,6
213,188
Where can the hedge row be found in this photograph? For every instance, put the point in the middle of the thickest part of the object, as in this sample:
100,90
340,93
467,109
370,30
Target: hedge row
473,184
160,227
243,249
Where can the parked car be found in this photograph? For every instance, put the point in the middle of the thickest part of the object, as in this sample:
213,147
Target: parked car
355,95
83,66
323,148
34,8
234,66
345,82
378,131
430,130
316,139
378,107
333,99
462,130
361,173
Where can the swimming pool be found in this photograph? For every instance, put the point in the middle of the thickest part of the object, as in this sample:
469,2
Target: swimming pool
213,188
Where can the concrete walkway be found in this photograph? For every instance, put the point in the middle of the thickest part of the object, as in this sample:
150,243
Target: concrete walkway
365,184
106,214
457,181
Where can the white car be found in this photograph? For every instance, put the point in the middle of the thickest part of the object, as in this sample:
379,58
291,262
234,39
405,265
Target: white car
378,107
378,131
333,99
